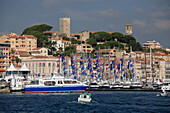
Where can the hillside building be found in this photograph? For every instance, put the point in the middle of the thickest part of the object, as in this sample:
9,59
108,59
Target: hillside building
20,43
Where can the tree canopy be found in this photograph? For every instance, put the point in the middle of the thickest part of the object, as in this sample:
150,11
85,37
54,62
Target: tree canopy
37,31
109,40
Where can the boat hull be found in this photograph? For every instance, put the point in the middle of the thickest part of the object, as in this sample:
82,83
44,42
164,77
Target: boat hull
84,99
55,89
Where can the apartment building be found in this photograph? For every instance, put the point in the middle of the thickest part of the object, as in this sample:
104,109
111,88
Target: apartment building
40,51
59,44
42,65
20,43
152,44
167,68
84,48
83,36
5,58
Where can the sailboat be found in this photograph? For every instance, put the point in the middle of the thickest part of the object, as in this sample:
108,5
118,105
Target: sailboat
134,84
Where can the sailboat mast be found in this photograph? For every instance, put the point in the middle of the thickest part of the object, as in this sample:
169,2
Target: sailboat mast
145,67
151,64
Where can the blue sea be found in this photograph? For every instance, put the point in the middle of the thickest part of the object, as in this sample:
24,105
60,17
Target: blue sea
102,102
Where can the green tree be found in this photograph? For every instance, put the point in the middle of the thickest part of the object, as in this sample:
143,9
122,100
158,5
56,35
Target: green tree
17,60
101,36
117,35
70,50
37,31
92,42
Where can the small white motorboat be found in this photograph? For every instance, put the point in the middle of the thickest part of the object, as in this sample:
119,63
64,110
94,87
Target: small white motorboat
80,99
162,94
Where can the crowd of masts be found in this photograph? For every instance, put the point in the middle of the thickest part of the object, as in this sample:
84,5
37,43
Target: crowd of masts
97,68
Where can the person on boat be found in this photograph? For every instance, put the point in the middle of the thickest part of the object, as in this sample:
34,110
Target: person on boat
82,95
89,94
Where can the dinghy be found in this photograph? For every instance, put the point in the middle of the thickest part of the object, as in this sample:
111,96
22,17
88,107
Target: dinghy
80,99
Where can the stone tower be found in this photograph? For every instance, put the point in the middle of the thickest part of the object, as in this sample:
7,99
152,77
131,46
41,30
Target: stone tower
65,26
128,29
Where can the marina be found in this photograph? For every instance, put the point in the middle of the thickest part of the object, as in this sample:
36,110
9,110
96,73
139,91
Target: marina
102,101
84,56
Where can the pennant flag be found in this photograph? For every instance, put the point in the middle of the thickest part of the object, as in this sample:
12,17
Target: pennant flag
133,75
92,75
99,76
98,71
91,70
83,73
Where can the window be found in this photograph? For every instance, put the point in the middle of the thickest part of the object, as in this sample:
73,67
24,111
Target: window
34,82
43,64
43,70
67,82
49,64
39,64
53,64
49,83
60,82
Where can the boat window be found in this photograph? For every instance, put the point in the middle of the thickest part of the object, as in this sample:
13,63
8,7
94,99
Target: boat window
49,83
67,82
34,82
60,82
74,82
93,84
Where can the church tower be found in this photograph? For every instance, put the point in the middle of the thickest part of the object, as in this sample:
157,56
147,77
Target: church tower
128,29
65,26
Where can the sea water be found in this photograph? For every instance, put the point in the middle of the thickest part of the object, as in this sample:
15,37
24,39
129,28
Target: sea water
102,102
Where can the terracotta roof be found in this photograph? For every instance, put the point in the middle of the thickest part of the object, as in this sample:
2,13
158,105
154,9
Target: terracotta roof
24,55
65,41
100,31
50,32
30,36
38,48
55,39
138,52
77,33
40,57
18,66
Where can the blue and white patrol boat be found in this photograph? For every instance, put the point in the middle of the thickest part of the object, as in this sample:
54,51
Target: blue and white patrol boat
55,84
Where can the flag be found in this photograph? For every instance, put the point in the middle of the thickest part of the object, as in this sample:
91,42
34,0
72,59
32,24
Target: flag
92,75
99,76
133,75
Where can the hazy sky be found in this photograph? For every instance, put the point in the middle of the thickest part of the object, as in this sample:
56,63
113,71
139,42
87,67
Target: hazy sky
150,18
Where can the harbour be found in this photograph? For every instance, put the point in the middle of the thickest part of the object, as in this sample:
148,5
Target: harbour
103,101
84,56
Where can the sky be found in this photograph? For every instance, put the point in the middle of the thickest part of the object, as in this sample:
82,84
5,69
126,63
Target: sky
150,18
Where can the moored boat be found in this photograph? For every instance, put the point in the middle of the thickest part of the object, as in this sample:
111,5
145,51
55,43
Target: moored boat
116,85
136,85
104,84
55,84
94,85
